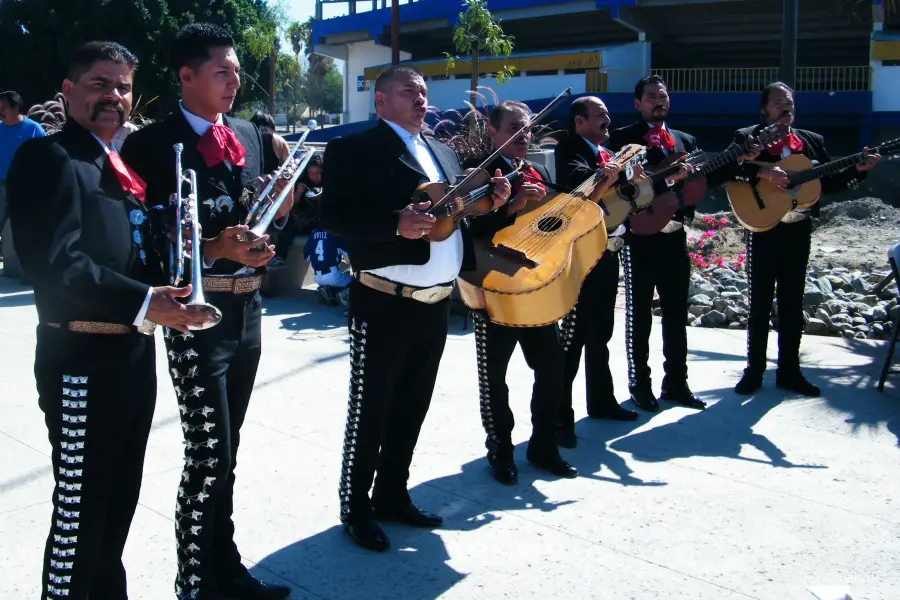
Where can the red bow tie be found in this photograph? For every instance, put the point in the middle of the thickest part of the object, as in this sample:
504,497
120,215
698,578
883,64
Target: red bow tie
793,142
530,175
603,157
131,182
219,144
659,137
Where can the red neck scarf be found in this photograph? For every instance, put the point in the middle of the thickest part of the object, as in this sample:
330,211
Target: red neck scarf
131,182
793,142
603,157
530,175
658,137
219,144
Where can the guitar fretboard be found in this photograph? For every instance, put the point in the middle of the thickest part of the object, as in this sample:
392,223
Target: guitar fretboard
830,168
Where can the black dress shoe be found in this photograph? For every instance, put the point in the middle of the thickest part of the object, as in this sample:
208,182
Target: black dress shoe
645,399
684,397
565,436
409,515
750,382
553,463
248,587
504,469
368,534
614,414
798,384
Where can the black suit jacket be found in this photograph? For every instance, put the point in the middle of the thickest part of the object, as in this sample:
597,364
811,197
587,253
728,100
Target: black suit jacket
76,230
494,221
634,134
367,179
813,148
575,161
224,196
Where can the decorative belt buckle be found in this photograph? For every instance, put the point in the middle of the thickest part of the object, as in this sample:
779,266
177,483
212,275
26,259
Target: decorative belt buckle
147,327
430,295
614,244
793,217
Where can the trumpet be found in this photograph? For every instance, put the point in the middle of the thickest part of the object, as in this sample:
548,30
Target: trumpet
186,216
263,210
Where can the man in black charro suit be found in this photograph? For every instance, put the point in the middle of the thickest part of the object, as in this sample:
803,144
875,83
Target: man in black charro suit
399,298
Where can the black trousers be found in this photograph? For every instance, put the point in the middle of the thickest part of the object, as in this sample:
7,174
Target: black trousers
589,327
98,393
285,239
657,261
396,346
213,372
494,347
777,257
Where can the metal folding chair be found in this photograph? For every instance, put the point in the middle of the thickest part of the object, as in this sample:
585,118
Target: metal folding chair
894,260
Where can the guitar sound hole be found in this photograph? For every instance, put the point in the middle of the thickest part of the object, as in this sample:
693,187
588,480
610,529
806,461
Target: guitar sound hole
627,191
549,224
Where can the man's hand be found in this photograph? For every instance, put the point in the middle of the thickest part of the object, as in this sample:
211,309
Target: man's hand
529,192
775,175
869,163
165,310
501,189
414,223
232,244
636,171
285,207
684,169
754,151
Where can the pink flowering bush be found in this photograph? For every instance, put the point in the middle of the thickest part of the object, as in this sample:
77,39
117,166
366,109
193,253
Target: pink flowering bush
703,251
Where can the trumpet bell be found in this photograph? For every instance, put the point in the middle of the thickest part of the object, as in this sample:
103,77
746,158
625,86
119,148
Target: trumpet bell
213,314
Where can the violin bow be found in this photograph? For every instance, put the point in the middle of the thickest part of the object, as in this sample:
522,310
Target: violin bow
538,117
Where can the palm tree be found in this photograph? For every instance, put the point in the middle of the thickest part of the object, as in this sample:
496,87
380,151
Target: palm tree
301,39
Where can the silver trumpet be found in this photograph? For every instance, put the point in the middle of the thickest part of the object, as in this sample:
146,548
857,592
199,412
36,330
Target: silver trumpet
263,210
186,216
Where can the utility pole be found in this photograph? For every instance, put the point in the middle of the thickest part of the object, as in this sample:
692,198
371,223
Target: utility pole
789,41
395,32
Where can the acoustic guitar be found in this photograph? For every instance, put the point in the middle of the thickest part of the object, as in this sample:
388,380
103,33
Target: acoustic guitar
530,273
761,206
694,188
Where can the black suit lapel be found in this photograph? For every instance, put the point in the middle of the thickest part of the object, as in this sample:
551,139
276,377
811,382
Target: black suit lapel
583,150
440,157
397,148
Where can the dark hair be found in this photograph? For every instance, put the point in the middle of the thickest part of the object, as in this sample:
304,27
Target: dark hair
651,80
767,91
395,73
316,161
507,107
193,42
579,108
12,98
263,121
92,52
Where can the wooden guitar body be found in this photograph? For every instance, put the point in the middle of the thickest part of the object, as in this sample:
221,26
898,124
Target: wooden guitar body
662,208
454,209
761,207
622,200
530,273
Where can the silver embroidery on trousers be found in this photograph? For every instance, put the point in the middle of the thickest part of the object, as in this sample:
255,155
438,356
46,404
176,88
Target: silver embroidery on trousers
484,385
567,329
354,412
629,315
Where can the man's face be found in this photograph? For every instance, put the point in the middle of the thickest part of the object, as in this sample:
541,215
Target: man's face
100,100
594,126
314,174
780,107
654,103
510,125
404,102
215,83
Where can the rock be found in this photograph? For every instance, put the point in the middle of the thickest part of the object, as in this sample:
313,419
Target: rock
878,330
740,284
879,313
870,300
657,312
858,285
731,289
824,285
834,307
723,273
691,318
840,319
836,282
859,335
813,296
857,321
720,304
735,325
732,296
698,310
862,328
823,316
734,314
714,318
816,327
702,288
894,312
700,300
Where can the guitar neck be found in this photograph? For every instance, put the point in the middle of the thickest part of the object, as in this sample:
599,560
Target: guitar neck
730,154
829,168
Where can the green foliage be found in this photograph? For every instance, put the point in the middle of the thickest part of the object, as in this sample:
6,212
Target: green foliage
478,33
319,90
43,35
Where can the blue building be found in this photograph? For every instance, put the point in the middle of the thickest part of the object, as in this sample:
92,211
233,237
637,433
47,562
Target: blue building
715,55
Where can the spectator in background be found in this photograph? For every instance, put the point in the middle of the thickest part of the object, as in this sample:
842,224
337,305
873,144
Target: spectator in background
324,251
305,213
275,152
311,124
14,131
124,131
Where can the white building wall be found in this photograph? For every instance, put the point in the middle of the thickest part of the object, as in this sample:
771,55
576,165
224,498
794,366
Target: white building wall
453,93
885,85
360,55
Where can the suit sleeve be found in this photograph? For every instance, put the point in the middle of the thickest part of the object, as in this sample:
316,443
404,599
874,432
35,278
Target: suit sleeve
849,177
571,169
345,204
45,199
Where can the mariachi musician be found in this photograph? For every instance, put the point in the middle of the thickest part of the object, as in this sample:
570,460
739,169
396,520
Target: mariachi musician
589,325
213,370
495,343
657,261
780,255
81,228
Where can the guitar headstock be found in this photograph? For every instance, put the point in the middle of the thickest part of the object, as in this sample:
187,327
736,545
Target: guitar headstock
772,134
629,157
888,150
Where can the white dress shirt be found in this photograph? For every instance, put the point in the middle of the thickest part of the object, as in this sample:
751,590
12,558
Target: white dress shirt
445,260
620,230
142,314
785,152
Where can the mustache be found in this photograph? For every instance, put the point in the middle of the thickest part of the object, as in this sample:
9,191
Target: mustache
787,113
101,106
659,107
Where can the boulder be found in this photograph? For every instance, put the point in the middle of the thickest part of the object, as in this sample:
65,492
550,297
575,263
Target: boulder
700,300
878,330
879,313
870,300
720,304
823,316
714,318
836,282
859,335
859,285
813,296
816,327
840,319
732,296
699,310
702,288
735,325
824,285
857,321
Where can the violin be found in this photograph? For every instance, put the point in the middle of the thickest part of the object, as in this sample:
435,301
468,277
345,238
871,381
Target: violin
471,197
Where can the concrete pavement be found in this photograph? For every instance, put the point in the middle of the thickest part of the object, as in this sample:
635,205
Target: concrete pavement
753,498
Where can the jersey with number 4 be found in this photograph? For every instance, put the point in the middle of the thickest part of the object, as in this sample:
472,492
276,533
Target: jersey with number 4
324,251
